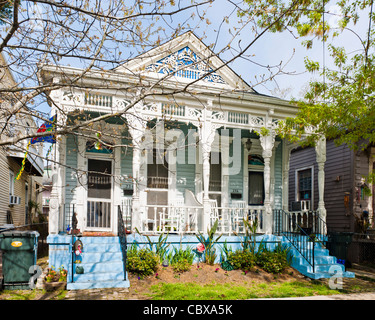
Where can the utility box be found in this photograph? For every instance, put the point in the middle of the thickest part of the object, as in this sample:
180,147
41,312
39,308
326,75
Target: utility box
19,255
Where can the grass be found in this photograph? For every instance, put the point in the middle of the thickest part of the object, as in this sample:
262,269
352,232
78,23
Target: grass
217,291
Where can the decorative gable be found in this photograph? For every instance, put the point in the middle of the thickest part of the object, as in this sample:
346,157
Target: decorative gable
186,57
185,63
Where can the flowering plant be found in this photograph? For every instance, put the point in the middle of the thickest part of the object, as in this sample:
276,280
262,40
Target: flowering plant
62,274
51,273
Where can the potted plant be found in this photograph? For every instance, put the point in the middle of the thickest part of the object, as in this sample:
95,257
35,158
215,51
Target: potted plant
55,280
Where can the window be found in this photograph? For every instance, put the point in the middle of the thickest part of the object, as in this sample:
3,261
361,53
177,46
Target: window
304,184
214,187
215,172
256,188
11,183
157,171
99,181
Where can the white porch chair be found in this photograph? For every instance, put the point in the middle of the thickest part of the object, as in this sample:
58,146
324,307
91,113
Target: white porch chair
214,212
238,213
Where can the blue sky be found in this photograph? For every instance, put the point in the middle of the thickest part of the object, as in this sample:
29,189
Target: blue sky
271,49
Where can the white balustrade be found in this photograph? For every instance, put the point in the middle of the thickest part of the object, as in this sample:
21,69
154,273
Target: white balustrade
172,219
231,219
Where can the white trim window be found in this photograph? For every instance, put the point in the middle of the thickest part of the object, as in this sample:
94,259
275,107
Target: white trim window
11,183
305,184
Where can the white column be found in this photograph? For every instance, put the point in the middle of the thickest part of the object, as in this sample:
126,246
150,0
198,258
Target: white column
81,190
58,170
267,143
206,132
320,150
136,127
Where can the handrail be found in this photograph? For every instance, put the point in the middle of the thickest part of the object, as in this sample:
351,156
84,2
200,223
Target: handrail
72,233
303,241
122,236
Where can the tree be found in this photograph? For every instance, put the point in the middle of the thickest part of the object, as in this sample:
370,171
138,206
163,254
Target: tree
98,36
340,106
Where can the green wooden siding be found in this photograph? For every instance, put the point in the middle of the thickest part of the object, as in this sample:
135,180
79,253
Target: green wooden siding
126,164
70,175
236,180
185,175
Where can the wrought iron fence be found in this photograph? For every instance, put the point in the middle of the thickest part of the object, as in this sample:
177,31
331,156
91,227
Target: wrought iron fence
122,236
302,231
361,249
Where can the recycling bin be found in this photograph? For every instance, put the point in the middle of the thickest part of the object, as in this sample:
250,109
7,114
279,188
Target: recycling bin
19,249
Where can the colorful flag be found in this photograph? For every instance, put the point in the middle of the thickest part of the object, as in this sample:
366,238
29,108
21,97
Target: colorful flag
48,126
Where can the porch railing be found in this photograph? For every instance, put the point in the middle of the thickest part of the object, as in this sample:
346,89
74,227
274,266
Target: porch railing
189,219
231,219
174,219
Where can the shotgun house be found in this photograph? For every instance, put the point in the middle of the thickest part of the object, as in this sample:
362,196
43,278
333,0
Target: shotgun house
348,196
200,146
17,188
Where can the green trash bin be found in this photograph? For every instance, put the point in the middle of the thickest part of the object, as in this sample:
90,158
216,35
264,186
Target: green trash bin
19,250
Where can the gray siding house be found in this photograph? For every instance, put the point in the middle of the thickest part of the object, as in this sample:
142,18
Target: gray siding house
346,199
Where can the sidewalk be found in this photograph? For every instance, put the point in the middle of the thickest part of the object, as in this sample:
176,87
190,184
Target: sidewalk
354,296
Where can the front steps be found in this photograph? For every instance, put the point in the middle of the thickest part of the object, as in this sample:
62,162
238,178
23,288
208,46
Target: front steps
102,263
326,265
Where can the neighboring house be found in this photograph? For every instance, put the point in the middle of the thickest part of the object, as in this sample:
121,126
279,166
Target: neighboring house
347,202
16,194
169,164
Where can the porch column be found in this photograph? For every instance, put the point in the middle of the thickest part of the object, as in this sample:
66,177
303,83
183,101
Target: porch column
137,128
54,206
206,132
320,150
286,161
58,170
267,142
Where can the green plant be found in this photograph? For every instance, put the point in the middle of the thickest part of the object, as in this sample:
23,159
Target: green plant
181,265
225,251
249,240
209,243
181,259
62,274
241,259
51,274
160,246
273,261
142,262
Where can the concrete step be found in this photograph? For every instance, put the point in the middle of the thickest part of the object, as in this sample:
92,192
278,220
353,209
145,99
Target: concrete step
98,276
326,265
98,284
318,260
106,266
95,257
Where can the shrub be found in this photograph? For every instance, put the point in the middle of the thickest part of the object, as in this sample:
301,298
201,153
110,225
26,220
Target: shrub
242,259
181,265
273,262
181,260
209,243
142,262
